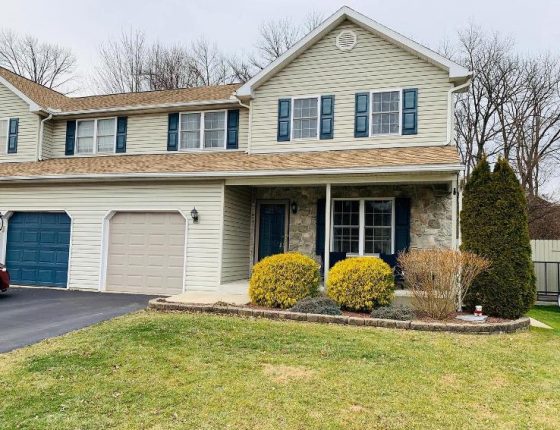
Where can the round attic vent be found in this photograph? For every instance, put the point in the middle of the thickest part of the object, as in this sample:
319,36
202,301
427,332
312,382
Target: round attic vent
346,40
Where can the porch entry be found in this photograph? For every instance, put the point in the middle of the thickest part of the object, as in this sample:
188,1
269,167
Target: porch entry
272,223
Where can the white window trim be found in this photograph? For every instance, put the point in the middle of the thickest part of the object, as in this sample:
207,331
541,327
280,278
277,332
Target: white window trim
293,99
7,136
201,147
95,136
362,226
385,90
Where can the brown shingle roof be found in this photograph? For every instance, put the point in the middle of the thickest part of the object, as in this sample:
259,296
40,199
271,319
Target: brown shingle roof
191,164
48,98
43,96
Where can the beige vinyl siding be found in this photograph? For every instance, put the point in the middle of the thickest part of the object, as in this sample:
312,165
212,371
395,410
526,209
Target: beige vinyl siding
12,106
374,64
48,131
88,205
146,134
236,235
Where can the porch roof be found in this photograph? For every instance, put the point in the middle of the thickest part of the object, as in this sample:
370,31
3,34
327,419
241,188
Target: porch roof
237,163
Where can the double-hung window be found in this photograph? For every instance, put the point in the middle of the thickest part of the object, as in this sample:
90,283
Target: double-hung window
96,136
385,112
4,130
202,130
363,226
305,118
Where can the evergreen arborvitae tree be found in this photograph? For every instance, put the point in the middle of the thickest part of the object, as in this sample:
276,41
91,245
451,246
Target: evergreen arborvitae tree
494,224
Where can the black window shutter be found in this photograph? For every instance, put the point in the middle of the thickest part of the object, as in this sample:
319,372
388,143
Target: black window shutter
122,124
410,111
70,137
284,107
402,224
327,117
232,129
361,120
173,132
320,228
13,135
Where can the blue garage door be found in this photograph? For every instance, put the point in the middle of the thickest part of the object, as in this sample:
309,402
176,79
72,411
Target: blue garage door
37,248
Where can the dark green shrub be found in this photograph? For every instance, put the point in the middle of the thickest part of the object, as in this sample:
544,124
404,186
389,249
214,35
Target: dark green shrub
396,312
317,305
494,225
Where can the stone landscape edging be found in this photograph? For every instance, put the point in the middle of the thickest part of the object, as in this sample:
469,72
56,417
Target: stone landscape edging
512,326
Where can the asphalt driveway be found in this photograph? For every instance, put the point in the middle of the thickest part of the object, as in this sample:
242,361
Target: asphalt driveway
28,315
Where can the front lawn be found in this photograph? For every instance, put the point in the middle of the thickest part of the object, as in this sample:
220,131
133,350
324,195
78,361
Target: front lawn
162,371
547,314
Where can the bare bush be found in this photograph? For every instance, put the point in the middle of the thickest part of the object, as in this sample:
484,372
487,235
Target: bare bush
440,278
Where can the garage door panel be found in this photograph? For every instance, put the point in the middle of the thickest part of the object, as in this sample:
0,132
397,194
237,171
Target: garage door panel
37,248
146,253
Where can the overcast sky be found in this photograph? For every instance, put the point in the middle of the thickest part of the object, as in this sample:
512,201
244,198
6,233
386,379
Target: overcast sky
233,25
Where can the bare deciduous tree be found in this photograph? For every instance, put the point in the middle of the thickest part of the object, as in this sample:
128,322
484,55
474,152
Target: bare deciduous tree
210,66
169,68
275,38
47,64
536,124
122,64
477,121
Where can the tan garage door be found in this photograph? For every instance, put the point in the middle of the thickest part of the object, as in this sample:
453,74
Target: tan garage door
146,253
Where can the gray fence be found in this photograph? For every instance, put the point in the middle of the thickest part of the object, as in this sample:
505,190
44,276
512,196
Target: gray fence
546,257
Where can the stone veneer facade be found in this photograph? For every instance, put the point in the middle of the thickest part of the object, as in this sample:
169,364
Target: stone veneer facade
431,218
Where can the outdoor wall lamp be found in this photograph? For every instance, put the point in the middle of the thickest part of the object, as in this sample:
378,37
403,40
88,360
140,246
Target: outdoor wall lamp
1,222
194,215
294,207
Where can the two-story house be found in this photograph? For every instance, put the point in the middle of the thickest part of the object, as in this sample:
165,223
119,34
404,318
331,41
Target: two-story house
342,146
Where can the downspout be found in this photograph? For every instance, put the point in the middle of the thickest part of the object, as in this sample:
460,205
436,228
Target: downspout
249,133
41,136
450,115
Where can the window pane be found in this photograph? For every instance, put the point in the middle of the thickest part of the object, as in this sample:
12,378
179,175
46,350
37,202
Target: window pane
378,226
85,128
84,141
214,129
84,145
214,139
385,113
305,118
190,131
346,226
106,144
106,135
3,134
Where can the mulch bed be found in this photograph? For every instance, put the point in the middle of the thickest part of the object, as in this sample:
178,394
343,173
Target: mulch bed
493,326
451,319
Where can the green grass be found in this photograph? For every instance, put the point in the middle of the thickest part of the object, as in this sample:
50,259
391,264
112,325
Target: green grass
181,371
547,314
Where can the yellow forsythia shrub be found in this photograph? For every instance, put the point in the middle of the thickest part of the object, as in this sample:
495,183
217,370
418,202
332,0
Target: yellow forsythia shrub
361,283
283,279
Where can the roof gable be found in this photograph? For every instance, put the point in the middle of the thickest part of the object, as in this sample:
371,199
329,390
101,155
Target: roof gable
456,72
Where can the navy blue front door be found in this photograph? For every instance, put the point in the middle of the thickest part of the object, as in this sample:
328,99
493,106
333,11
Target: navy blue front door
38,248
272,229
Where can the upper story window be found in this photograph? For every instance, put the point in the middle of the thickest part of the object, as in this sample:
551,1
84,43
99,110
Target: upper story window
305,118
96,136
385,112
202,130
363,226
